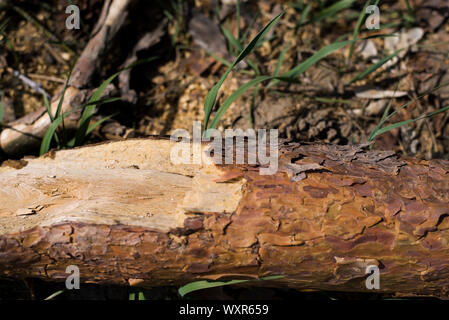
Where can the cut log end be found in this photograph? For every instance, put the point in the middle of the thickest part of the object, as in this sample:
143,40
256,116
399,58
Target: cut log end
130,183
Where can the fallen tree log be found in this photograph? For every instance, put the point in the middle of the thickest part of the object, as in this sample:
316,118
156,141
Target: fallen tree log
124,213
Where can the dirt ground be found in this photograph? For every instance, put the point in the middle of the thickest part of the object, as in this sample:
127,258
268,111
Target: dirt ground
189,44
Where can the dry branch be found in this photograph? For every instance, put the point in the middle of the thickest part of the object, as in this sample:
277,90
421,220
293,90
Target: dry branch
111,21
125,214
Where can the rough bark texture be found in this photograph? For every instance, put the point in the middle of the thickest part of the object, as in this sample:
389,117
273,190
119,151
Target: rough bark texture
125,214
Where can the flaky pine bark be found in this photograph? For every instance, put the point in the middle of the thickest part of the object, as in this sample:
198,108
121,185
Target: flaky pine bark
123,213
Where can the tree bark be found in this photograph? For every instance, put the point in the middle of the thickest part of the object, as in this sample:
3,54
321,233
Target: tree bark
124,213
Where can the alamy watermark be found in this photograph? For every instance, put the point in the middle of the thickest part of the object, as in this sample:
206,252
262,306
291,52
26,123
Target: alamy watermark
73,280
73,20
373,20
373,280
237,143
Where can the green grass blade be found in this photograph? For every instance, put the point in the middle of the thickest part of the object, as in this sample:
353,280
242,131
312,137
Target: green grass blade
236,94
253,66
233,41
358,26
280,60
299,4
58,109
50,133
304,15
333,9
237,9
380,36
199,285
101,101
168,14
384,116
99,122
320,54
92,127
89,109
66,84
375,66
250,26
402,123
47,106
57,293
228,63
3,25
141,296
381,122
279,63
220,59
418,98
179,14
285,77
46,141
212,95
